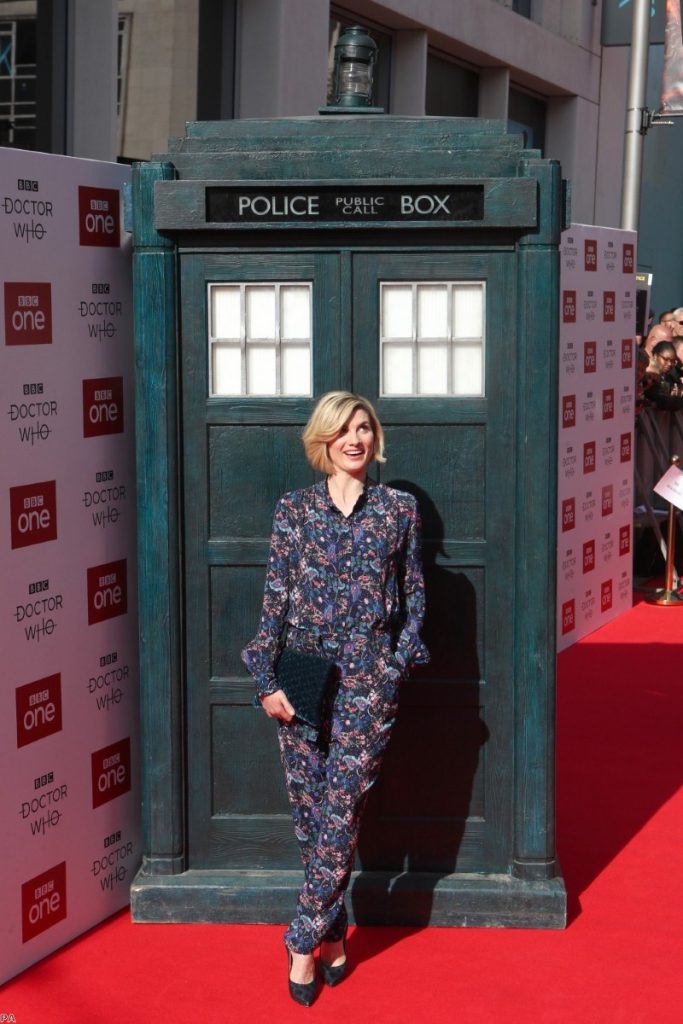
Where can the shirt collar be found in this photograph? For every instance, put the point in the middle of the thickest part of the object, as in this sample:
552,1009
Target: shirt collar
369,488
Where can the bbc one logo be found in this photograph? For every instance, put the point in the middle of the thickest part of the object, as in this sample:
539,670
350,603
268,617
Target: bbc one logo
609,306
568,616
99,216
110,772
102,406
590,254
43,901
628,258
625,448
28,313
625,540
626,353
39,709
569,410
608,499
590,356
568,514
608,404
568,307
606,596
33,513
107,591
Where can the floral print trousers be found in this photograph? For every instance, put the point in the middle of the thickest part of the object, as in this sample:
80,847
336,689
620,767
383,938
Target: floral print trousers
328,776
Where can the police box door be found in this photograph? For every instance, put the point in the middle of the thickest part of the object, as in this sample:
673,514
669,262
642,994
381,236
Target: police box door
425,337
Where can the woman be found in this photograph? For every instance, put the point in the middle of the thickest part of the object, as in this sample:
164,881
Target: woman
663,386
344,580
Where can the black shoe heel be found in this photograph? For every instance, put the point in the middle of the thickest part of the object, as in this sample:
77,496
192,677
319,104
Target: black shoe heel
301,992
333,975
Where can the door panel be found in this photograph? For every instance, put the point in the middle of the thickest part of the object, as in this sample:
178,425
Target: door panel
443,800
240,454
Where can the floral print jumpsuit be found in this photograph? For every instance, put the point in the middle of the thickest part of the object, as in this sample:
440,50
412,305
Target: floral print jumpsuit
349,588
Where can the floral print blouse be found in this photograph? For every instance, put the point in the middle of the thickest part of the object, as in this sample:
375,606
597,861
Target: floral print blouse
332,574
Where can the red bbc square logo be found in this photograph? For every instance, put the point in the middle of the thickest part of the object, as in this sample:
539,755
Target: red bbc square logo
102,406
569,307
43,901
606,596
568,514
589,457
39,709
28,313
626,353
569,410
608,499
589,556
110,772
625,539
608,404
625,448
590,356
609,306
107,591
590,253
99,216
33,513
568,616
628,261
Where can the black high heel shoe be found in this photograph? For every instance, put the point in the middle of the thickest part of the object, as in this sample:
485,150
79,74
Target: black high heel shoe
301,992
333,975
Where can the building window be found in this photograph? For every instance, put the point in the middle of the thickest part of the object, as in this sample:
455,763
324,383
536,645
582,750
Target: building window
452,90
341,20
526,114
432,338
260,338
18,83
522,7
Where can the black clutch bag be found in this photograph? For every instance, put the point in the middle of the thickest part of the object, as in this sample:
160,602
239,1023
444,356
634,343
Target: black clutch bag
306,679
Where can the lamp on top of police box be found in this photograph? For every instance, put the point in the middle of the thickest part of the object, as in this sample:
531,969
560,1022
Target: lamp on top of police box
355,57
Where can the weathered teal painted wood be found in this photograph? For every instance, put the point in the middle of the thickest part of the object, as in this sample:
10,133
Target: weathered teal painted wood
158,568
535,855
484,720
508,203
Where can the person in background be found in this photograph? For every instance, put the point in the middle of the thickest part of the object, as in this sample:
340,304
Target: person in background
660,332
664,391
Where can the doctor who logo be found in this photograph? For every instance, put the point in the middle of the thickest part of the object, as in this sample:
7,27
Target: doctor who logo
28,313
99,216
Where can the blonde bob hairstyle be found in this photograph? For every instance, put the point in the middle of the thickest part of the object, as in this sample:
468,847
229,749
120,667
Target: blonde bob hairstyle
331,414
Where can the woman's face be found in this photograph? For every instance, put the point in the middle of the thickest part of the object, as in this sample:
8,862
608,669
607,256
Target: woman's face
352,450
665,360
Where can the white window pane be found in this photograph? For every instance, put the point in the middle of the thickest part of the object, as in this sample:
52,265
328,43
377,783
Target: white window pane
227,367
261,313
397,311
397,369
261,379
432,368
295,369
295,312
432,311
226,311
468,311
468,367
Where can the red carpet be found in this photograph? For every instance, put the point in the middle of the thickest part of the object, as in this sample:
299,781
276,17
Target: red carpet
620,961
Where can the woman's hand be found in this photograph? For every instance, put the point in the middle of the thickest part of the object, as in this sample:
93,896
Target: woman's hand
276,705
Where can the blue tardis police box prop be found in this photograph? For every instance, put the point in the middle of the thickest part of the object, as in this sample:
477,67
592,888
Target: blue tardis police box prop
413,260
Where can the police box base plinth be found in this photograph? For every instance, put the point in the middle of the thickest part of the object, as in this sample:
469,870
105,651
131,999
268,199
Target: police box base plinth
414,899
